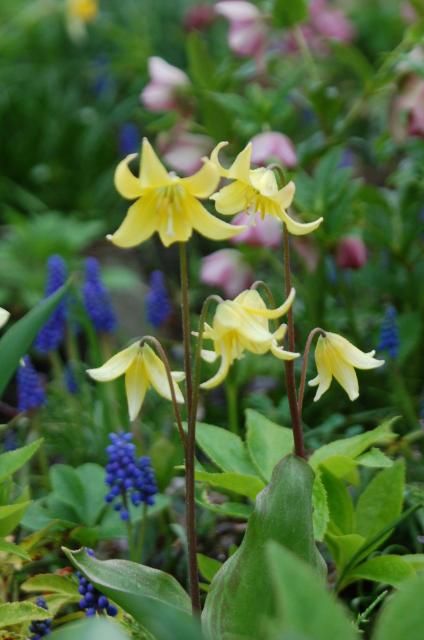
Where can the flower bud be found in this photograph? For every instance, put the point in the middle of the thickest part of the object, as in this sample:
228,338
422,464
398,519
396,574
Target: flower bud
351,253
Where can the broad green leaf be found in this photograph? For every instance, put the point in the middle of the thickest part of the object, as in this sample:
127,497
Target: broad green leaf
343,548
208,567
17,341
10,516
225,449
50,583
402,615
381,501
354,446
389,569
267,442
415,560
241,588
232,509
235,482
89,630
342,467
288,13
92,477
11,461
304,607
69,489
374,458
342,515
138,589
321,513
18,612
10,547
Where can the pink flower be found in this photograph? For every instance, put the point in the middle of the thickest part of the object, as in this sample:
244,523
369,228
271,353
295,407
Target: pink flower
351,253
260,232
272,145
330,23
161,93
199,17
407,117
247,26
183,151
227,270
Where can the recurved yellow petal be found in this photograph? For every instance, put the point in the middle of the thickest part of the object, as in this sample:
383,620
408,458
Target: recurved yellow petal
299,228
286,194
282,354
116,365
204,182
272,314
215,159
231,199
125,182
152,171
208,225
156,373
324,374
352,354
138,225
221,374
240,168
136,384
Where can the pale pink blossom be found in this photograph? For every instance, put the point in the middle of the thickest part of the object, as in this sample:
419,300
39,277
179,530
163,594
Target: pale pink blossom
166,81
407,117
227,270
330,23
260,232
247,33
351,253
273,146
183,151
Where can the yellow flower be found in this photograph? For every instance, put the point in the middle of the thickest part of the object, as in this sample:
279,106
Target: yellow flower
166,203
241,325
336,356
4,316
256,191
142,369
84,10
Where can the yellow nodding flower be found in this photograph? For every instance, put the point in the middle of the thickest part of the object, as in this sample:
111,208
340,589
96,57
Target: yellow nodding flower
142,369
241,325
166,203
336,356
84,10
4,316
256,191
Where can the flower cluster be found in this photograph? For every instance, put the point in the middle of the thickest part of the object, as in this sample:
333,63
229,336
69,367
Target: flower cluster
92,600
51,335
40,628
96,299
389,334
158,306
128,476
31,394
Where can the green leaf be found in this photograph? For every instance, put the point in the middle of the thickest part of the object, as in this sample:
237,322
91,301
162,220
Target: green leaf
10,516
235,482
374,458
231,509
305,609
343,548
415,560
92,477
50,583
18,612
10,547
138,589
17,341
342,515
201,65
321,513
342,467
69,489
241,588
382,500
11,461
90,629
389,569
402,616
208,566
287,13
267,442
225,449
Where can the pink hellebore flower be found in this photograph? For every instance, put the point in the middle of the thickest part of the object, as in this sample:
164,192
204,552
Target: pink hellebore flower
273,146
183,151
260,232
227,270
330,23
199,17
247,27
161,93
351,253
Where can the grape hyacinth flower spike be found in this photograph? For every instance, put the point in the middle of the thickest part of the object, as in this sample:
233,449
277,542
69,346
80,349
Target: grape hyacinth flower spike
389,334
31,394
158,306
92,600
40,628
96,299
51,335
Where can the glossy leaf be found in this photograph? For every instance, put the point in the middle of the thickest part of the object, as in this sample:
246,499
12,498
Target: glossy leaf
11,515
342,515
402,616
344,547
11,461
375,458
208,567
388,569
225,449
267,442
235,482
90,629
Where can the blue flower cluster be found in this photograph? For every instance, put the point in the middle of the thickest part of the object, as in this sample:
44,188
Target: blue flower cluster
51,335
92,600
96,298
389,334
158,306
129,138
128,476
31,394
40,628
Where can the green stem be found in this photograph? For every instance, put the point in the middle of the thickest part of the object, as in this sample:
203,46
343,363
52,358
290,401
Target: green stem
232,393
141,535
130,531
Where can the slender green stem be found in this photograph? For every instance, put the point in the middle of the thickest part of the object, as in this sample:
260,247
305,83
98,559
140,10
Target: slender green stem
231,393
129,525
191,437
301,394
141,535
299,447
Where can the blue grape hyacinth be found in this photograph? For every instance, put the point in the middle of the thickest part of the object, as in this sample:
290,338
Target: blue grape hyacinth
389,333
129,139
51,335
92,600
96,298
40,628
158,306
31,394
128,477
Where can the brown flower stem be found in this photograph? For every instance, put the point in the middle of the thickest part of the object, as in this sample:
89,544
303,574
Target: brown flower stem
191,437
301,394
299,447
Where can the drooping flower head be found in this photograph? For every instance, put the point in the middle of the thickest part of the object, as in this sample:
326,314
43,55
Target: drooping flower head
241,325
31,394
143,369
256,191
389,335
162,93
158,305
166,203
96,299
351,253
336,356
227,270
51,335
